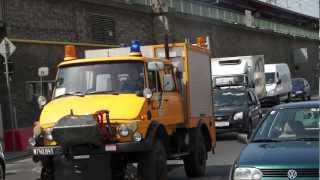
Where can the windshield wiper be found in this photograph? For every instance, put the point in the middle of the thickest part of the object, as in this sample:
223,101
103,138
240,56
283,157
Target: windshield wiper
102,92
306,139
266,140
71,94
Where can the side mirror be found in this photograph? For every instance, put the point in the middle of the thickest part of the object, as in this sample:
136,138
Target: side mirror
279,81
242,138
147,93
41,101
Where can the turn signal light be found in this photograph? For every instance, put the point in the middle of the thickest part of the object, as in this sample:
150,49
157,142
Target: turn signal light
201,41
69,52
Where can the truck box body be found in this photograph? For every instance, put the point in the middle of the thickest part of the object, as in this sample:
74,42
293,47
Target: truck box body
193,62
240,70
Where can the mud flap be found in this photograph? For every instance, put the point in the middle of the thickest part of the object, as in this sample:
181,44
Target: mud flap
84,167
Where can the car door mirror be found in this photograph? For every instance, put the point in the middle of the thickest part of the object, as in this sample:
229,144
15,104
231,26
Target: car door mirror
279,81
242,138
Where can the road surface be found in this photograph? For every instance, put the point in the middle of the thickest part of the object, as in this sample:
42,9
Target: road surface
217,166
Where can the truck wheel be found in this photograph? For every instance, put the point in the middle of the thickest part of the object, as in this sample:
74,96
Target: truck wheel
153,164
195,163
46,175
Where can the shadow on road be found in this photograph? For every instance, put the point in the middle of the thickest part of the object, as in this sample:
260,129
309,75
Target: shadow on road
227,137
176,172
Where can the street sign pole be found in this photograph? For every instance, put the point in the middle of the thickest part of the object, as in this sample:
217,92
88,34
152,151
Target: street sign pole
6,57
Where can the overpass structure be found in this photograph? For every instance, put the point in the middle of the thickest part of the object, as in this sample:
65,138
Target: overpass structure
260,15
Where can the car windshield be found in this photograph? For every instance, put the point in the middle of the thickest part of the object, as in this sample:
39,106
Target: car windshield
270,78
298,82
229,98
124,77
290,124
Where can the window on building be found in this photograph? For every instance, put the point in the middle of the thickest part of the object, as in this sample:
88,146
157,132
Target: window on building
103,28
33,90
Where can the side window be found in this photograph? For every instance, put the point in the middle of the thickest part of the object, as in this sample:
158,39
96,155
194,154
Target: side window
309,118
154,81
168,79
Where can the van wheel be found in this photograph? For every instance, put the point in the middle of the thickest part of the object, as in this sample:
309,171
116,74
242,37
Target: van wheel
288,98
278,101
153,164
195,163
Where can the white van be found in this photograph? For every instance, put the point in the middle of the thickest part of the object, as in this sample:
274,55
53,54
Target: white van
278,83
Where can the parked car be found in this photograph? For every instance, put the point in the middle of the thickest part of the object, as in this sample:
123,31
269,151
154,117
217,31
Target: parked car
236,110
2,164
284,146
301,89
279,86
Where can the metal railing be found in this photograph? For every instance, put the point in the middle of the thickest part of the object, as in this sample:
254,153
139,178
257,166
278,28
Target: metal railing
227,16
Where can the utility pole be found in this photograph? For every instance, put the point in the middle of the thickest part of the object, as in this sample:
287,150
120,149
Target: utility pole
6,50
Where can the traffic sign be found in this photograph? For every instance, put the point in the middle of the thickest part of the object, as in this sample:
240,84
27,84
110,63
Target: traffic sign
7,48
43,71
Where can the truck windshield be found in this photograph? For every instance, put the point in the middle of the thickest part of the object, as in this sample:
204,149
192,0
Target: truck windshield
270,78
229,98
114,77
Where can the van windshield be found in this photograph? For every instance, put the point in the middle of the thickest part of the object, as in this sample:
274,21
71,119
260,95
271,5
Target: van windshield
270,78
115,77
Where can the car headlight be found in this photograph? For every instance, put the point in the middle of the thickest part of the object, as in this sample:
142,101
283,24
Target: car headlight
48,134
247,174
238,116
123,130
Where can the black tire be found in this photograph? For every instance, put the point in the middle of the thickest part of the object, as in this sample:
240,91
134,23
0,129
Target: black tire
249,128
195,163
278,101
46,175
288,98
153,164
309,98
2,173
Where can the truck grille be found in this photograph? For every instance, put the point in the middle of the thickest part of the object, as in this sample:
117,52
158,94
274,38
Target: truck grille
284,172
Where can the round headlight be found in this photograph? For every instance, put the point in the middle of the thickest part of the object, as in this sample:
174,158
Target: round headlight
48,134
247,173
123,130
137,137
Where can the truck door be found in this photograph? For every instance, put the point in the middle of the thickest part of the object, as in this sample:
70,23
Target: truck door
171,98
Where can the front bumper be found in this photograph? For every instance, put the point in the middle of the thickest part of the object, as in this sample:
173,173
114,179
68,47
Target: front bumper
233,126
108,148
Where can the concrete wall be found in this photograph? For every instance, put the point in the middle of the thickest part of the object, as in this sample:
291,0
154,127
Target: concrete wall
68,20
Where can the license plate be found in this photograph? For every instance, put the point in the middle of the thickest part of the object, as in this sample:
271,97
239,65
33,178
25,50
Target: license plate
44,151
111,148
222,124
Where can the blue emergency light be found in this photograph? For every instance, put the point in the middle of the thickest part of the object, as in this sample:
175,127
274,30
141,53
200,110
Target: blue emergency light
135,48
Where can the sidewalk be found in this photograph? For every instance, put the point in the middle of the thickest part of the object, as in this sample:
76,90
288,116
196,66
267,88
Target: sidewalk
12,156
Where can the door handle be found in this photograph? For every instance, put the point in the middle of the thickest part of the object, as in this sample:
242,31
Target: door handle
166,100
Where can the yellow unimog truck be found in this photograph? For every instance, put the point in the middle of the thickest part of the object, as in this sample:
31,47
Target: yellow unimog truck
123,106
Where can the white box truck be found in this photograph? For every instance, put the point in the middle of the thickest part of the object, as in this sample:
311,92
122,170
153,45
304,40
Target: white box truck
279,85
240,71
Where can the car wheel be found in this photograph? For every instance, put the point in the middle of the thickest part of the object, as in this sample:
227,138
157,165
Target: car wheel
153,164
2,173
195,163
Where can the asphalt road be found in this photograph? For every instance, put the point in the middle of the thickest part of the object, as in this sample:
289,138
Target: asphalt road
217,165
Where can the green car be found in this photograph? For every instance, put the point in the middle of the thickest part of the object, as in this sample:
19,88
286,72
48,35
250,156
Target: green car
284,146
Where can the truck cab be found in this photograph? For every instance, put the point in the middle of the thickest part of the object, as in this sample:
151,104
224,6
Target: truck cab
112,111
